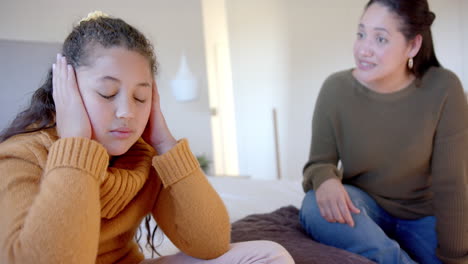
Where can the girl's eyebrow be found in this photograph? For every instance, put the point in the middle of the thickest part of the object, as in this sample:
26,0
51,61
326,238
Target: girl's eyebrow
109,78
113,79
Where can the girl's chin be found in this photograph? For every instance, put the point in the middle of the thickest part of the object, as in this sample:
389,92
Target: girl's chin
113,153
117,151
117,147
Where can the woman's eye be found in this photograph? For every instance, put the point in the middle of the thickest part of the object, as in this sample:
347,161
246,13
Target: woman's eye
382,40
360,35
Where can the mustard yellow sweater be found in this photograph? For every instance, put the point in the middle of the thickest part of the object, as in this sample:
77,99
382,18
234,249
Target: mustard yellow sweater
62,202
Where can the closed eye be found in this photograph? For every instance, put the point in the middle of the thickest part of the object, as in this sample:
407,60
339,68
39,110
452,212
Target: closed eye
107,96
140,100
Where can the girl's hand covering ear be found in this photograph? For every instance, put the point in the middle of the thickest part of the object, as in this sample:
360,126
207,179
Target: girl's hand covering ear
71,116
157,133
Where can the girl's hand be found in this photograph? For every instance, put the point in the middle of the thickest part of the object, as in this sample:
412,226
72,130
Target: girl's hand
334,202
157,133
70,113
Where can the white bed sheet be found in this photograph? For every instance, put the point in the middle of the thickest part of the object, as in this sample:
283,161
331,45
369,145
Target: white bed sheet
243,197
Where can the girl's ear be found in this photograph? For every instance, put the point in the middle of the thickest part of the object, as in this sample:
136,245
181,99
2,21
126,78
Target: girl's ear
415,46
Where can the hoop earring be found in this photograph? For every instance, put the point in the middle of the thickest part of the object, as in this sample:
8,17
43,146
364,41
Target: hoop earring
410,63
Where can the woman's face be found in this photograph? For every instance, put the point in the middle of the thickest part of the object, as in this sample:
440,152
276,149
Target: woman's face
381,51
116,88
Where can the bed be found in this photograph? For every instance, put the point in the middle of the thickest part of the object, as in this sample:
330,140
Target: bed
267,209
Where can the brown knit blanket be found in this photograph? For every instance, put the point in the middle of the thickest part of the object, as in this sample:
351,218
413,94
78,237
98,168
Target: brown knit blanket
283,227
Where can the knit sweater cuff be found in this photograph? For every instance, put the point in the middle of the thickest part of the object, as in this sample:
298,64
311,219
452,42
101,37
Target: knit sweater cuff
325,172
176,164
80,153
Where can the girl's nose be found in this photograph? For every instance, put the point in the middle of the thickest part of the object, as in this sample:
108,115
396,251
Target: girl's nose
125,110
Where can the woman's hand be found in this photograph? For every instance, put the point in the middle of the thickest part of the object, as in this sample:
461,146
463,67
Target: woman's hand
70,113
334,202
157,133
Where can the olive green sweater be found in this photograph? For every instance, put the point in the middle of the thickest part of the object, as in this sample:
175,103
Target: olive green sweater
407,149
62,202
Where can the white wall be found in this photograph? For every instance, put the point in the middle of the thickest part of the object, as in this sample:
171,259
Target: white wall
449,34
174,26
464,27
281,53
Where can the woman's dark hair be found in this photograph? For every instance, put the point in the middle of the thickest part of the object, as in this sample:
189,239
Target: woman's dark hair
416,18
90,33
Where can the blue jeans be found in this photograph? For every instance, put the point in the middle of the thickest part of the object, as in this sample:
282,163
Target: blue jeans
375,233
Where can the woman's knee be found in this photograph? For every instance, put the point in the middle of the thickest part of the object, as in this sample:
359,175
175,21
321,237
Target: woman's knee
309,209
318,228
310,217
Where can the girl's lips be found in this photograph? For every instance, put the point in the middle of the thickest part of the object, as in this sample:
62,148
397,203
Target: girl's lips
121,133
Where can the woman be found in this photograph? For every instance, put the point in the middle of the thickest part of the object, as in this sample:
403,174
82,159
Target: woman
77,178
397,122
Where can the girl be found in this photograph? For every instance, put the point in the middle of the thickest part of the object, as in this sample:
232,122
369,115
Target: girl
92,156
397,122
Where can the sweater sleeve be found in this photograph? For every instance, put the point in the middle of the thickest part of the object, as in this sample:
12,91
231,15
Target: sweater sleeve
52,214
188,209
450,176
323,156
